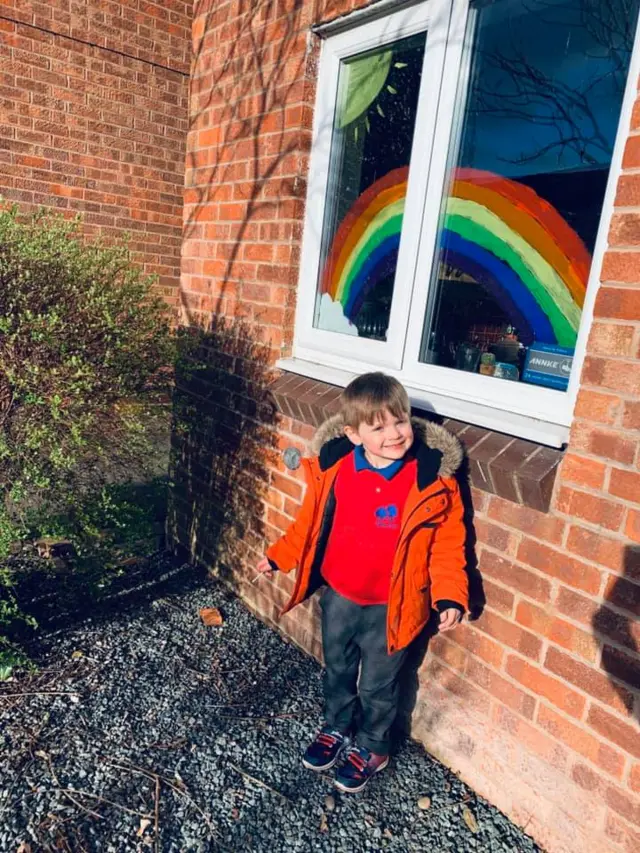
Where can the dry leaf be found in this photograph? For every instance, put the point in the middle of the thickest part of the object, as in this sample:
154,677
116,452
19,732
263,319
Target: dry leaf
324,826
470,819
145,823
24,847
424,803
235,813
211,617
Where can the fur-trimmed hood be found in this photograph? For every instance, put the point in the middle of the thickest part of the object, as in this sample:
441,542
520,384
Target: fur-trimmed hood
330,444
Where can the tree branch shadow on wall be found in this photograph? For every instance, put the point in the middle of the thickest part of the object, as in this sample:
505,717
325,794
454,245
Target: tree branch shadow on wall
245,104
244,186
224,437
618,620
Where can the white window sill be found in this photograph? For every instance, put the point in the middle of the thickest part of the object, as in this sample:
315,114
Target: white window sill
509,423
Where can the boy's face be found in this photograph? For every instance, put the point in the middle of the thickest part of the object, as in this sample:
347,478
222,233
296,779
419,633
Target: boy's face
385,441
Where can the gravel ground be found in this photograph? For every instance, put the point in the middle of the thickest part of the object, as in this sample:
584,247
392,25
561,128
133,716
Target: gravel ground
144,730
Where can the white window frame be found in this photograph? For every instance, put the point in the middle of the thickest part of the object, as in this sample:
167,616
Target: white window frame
537,413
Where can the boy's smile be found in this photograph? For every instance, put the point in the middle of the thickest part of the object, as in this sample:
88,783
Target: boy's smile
384,441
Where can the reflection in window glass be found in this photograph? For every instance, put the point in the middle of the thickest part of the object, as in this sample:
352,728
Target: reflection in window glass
370,152
526,185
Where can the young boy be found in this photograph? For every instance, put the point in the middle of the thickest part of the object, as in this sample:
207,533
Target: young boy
382,526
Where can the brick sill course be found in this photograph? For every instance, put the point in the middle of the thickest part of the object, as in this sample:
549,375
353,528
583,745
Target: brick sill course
514,469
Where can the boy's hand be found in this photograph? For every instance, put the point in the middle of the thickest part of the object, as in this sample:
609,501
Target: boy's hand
264,568
449,618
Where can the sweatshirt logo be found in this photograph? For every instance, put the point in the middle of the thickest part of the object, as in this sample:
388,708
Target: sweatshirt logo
387,517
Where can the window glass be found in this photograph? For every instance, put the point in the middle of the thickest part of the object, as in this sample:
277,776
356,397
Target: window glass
526,182
369,164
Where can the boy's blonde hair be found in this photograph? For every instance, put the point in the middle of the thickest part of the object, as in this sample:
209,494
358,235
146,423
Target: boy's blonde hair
370,396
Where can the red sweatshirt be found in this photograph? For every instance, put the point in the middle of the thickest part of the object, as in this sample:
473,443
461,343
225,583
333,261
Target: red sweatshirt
366,527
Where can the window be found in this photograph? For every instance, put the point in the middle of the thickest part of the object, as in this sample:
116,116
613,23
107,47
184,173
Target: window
461,163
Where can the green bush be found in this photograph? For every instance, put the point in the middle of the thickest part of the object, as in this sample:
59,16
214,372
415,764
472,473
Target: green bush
84,348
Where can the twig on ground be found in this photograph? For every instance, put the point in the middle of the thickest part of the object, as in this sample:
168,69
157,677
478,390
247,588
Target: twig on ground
151,774
156,816
258,719
102,799
79,804
40,693
197,673
258,782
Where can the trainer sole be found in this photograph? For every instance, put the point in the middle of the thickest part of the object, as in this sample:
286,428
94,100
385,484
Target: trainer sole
347,790
320,769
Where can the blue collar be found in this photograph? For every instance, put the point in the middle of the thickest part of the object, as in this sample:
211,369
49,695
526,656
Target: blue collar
363,464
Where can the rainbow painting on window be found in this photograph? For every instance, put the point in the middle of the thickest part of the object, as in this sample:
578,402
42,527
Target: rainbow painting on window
497,231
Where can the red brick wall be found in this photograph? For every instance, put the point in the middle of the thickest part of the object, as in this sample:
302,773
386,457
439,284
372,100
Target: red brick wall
93,117
537,703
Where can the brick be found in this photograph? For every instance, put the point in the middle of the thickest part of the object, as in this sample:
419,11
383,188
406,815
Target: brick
511,635
620,665
505,466
581,741
597,548
560,632
531,737
621,267
536,619
623,804
573,639
287,486
628,190
611,338
536,524
453,655
632,527
474,699
514,576
605,443
624,594
493,535
479,645
583,471
498,598
501,689
625,229
556,564
536,478
631,415
612,374
610,624
596,510
588,679
554,691
586,777
634,778
597,407
489,448
619,303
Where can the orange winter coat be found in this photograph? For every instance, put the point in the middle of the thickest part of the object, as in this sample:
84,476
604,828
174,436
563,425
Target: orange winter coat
429,563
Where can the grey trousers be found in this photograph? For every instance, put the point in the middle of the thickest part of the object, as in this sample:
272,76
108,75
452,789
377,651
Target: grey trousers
354,640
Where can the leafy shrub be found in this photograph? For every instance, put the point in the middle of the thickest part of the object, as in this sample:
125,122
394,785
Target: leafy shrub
84,347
